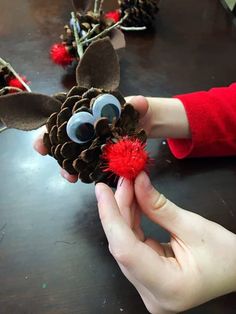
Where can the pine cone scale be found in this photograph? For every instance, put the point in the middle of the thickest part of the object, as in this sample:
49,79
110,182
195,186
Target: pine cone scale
63,116
52,120
70,102
53,135
82,102
62,136
70,150
68,165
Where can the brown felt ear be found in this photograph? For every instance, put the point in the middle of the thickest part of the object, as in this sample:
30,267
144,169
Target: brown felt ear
82,6
27,111
99,66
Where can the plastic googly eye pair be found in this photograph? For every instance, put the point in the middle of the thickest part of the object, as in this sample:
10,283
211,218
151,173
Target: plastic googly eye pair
80,127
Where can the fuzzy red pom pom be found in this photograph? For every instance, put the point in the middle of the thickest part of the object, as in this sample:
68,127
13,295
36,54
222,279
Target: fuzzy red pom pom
126,158
113,15
14,82
60,55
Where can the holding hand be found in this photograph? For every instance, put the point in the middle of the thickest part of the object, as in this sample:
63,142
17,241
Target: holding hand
198,264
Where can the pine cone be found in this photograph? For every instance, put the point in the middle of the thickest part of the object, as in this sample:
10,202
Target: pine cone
84,159
86,24
140,12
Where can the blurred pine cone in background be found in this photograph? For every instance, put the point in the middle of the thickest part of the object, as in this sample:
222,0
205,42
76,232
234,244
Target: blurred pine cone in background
141,12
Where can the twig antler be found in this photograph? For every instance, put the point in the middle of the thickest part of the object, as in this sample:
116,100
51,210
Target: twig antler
107,30
95,10
101,5
79,46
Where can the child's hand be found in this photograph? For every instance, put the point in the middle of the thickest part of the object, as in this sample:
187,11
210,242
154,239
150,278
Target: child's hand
198,264
161,117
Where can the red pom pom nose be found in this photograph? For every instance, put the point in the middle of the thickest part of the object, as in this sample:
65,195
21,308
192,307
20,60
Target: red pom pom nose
126,158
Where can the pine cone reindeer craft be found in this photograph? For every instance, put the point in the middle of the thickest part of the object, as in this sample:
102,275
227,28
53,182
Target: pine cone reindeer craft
88,23
91,131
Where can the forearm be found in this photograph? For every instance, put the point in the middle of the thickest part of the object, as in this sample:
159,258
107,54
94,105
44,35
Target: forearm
167,118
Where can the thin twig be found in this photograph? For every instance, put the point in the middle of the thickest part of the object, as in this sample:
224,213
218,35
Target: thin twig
89,33
133,28
10,88
3,129
95,10
79,46
4,63
107,30
101,6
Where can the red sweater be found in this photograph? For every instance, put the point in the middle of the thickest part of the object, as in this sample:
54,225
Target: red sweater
212,120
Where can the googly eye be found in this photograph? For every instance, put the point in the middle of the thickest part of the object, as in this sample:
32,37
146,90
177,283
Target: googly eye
107,106
80,127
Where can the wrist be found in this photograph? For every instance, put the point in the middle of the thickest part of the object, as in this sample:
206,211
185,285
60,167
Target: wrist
167,118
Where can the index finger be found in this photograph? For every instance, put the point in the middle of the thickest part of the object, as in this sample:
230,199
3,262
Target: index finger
116,229
39,145
137,257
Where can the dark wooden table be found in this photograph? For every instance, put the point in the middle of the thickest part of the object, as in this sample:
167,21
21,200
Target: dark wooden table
53,252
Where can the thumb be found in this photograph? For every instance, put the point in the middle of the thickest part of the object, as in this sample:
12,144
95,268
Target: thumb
156,207
139,103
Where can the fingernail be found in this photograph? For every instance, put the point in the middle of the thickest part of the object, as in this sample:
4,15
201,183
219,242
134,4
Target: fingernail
65,174
120,181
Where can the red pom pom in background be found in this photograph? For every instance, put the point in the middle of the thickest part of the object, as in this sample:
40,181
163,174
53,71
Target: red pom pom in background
60,55
126,158
14,82
113,15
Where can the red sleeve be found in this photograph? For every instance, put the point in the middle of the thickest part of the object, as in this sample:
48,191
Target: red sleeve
212,120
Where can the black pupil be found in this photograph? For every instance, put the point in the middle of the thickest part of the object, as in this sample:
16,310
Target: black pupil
85,132
110,111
